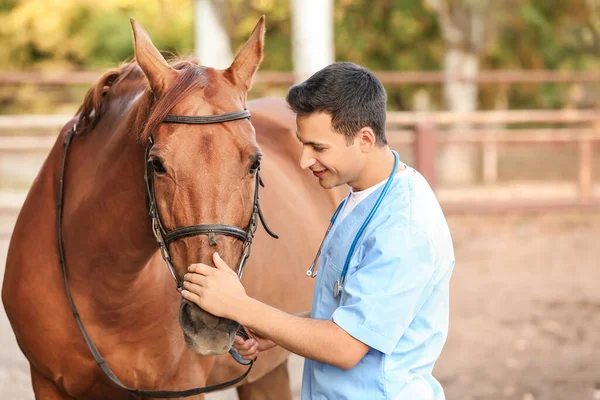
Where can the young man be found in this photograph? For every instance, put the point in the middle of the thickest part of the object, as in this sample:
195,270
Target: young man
379,335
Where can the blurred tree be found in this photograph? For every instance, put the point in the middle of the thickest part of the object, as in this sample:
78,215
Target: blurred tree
541,34
83,33
466,25
559,35
404,35
278,52
389,35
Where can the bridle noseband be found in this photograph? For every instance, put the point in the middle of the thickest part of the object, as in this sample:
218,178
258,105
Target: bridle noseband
163,239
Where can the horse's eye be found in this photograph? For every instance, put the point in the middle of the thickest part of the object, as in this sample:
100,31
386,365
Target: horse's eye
157,165
255,166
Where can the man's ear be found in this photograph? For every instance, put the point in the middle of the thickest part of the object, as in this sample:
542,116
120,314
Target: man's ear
367,139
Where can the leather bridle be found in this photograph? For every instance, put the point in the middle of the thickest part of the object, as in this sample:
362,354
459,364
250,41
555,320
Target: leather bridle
164,238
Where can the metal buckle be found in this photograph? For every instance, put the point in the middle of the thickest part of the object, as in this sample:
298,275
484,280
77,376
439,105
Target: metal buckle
245,256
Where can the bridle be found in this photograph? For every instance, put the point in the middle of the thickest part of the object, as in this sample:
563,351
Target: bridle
163,239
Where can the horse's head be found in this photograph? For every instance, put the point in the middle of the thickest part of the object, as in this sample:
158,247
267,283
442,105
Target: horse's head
201,174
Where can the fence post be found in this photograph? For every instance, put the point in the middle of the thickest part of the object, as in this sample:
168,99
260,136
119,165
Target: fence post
586,157
426,151
490,163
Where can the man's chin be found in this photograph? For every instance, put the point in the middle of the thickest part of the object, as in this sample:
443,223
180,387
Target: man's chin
327,184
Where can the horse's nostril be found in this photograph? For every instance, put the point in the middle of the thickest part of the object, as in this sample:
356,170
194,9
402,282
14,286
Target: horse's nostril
187,318
233,326
187,311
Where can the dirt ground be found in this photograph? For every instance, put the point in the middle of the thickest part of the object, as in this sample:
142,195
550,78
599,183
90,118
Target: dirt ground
525,308
525,311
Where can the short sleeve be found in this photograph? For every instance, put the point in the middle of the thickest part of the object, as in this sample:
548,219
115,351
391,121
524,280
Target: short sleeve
392,282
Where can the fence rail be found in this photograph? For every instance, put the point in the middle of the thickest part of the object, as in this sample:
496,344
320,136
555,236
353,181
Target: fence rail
410,118
288,78
425,133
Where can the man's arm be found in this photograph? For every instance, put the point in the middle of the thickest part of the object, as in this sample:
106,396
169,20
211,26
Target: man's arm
317,339
218,291
304,314
251,347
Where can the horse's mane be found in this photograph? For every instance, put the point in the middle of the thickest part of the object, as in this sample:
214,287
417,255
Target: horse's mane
151,109
90,110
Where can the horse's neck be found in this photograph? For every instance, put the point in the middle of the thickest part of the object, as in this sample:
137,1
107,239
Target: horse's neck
108,240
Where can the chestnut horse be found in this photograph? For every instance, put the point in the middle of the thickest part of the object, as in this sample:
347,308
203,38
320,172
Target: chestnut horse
202,174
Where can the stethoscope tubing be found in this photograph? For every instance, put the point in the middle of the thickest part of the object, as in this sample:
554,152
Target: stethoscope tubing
340,282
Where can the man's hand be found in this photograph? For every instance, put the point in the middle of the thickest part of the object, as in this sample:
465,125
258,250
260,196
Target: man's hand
215,290
250,348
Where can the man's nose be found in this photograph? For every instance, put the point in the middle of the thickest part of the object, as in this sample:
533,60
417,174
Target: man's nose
306,159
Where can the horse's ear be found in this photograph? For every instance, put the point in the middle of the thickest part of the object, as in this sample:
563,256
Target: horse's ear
155,67
248,59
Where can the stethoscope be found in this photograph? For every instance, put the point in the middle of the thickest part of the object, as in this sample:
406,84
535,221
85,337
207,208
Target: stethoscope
339,284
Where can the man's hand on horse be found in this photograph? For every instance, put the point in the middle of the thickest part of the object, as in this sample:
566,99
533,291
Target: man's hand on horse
215,290
250,348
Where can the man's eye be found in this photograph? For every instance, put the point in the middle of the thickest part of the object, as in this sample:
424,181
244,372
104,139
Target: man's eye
319,149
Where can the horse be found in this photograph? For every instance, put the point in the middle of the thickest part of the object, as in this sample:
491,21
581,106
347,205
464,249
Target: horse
131,133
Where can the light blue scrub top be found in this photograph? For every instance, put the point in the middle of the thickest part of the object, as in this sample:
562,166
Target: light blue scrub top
395,297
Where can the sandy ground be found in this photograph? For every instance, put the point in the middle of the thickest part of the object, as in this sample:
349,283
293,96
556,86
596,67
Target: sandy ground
525,311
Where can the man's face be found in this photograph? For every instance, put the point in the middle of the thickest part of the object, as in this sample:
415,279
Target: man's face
326,152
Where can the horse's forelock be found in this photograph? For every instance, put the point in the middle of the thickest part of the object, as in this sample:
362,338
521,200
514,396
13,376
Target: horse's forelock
151,110
189,79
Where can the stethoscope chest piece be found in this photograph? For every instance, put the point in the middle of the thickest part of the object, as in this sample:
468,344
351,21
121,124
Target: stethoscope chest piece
337,289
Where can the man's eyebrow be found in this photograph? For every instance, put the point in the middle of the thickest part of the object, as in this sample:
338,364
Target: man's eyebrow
309,143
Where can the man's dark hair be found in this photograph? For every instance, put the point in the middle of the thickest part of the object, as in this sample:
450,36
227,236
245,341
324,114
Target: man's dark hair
349,93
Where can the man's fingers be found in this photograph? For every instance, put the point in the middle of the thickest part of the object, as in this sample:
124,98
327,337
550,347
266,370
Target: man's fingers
192,288
252,351
201,269
219,263
195,278
222,265
248,349
193,297
244,345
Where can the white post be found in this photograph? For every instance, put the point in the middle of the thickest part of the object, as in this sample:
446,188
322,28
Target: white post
312,36
463,26
490,150
212,45
458,163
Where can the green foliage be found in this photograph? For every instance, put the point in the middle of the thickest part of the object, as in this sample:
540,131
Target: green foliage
239,25
389,35
555,35
400,35
86,34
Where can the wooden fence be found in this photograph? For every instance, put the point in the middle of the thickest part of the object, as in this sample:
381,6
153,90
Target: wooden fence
287,78
424,133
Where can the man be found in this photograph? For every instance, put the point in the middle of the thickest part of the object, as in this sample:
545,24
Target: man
379,337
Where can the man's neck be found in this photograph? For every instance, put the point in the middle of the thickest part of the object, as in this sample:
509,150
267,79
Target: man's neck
378,167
